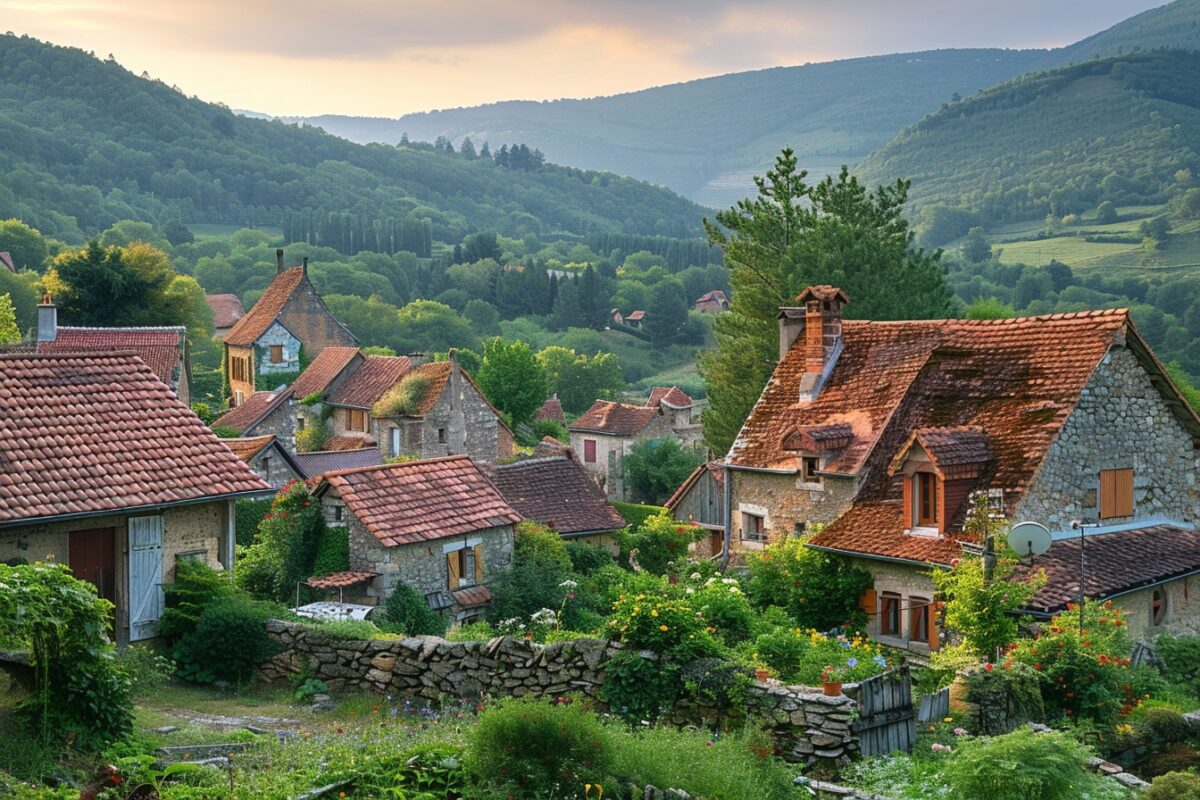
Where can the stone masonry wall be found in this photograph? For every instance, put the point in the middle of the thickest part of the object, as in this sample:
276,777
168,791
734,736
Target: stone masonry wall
787,500
806,724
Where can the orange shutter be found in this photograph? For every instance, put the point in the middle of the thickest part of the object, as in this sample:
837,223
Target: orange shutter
933,629
1116,493
908,500
867,602
479,563
454,569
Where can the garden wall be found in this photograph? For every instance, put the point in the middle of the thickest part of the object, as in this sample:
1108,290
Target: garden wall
807,725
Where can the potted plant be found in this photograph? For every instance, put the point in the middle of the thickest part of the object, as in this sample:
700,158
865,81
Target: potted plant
761,673
829,682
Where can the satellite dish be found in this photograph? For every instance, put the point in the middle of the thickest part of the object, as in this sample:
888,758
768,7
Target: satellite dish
1029,539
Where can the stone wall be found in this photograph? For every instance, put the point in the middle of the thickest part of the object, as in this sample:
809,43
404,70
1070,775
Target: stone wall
306,316
786,500
276,471
807,725
275,335
281,422
609,466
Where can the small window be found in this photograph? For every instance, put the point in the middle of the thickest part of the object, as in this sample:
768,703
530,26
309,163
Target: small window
276,354
266,464
589,451
300,422
339,513
753,527
918,627
1158,606
925,489
238,397
799,528
441,435
889,614
194,556
395,442
811,465
356,420
1116,493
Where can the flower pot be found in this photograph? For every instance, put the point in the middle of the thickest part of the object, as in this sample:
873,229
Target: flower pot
762,674
832,688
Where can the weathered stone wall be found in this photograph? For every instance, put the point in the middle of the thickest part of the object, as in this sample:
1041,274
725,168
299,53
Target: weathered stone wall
786,500
281,422
276,471
275,335
915,588
807,725
1121,421
306,316
1183,610
609,466
461,422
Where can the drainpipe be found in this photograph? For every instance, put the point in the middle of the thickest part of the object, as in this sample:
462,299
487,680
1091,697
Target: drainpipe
727,495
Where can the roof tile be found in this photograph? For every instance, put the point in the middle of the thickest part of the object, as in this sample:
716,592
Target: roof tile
323,370
615,419
227,309
253,409
256,321
161,348
558,492
370,380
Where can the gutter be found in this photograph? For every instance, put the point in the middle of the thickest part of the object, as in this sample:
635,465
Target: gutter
130,511
727,499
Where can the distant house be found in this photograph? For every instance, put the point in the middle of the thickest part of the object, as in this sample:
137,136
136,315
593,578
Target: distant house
106,470
227,310
268,458
680,409
317,463
267,341
438,525
712,302
555,490
633,319
701,500
606,432
263,413
6,261
552,410
164,349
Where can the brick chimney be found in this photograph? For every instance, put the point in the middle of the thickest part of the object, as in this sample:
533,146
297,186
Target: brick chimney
822,329
47,330
279,261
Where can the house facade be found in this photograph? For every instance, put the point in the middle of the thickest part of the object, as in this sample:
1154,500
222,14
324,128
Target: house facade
681,411
438,525
289,324
712,302
107,470
888,433
263,414
605,433
700,500
268,458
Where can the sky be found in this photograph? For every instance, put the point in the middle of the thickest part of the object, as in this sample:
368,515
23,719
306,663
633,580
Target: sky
391,57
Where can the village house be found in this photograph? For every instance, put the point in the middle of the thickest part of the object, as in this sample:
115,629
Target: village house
287,327
605,434
164,349
680,410
712,302
551,410
700,500
553,488
269,459
438,525
262,414
105,469
227,310
884,432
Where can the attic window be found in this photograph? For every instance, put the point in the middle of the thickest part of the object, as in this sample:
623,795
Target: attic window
925,492
809,470
276,354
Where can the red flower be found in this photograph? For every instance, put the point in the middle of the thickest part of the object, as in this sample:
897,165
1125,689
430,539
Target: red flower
1038,667
987,667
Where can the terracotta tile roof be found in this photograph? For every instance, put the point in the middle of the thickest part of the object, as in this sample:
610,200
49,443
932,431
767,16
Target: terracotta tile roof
615,419
227,309
419,501
94,433
1115,562
713,467
715,296
369,380
253,410
636,315
557,492
472,597
956,452
256,321
823,292
311,465
876,528
246,448
551,409
340,580
438,373
6,260
549,446
819,438
323,370
348,442
161,348
673,396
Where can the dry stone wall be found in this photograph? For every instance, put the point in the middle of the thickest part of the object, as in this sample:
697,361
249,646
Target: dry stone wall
807,725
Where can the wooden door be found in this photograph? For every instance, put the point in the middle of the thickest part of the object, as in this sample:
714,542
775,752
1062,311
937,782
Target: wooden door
717,542
91,555
145,576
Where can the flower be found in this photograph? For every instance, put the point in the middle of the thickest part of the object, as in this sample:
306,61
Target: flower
987,667
960,731
569,584
880,661
663,628
852,662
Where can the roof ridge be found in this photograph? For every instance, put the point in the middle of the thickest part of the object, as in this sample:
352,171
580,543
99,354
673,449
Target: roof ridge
535,460
122,328
1054,316
379,467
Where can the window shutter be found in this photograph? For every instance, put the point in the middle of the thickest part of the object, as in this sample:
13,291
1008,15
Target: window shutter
479,563
455,570
1116,493
933,630
867,602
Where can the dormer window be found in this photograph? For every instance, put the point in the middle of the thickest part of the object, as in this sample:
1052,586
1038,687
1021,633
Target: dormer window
938,469
809,471
925,491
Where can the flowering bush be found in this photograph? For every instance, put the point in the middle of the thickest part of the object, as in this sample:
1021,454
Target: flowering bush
818,590
810,657
658,541
669,627
283,552
726,609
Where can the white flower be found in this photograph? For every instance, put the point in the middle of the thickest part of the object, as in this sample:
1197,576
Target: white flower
568,584
543,617
710,581
690,590
695,576
728,581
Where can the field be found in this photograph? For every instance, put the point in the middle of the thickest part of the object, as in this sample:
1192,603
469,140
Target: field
204,230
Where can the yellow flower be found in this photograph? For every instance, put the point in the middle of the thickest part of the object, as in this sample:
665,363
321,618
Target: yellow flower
654,613
948,719
663,627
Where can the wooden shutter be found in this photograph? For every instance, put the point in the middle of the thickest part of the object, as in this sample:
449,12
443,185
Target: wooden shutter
934,641
145,576
479,563
589,451
867,602
1116,493
454,569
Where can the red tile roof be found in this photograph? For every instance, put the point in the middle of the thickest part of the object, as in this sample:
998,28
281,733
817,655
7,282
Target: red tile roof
876,528
254,409
715,296
370,380
1115,562
248,447
636,315
323,370
819,438
227,309
96,433
472,597
263,313
340,580
824,292
551,409
615,419
673,396
161,348
557,492
348,442
419,501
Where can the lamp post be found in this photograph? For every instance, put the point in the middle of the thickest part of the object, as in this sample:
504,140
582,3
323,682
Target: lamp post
1082,526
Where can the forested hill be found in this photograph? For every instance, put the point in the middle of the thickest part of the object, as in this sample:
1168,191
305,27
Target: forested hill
84,143
1176,25
1058,141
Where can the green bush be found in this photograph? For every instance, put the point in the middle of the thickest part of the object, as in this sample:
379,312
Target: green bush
333,551
340,630
247,516
1019,766
587,558
667,626
197,586
535,749
1173,786
535,543
552,428
1166,723
144,667
637,688
314,436
283,554
819,590
782,650
655,468
658,541
228,643
407,609
726,609
1181,655
635,513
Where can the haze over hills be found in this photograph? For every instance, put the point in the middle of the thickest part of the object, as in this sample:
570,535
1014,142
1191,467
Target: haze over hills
707,138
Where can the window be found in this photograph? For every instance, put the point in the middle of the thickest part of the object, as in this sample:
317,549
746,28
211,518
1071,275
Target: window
1116,493
441,435
809,472
356,420
918,620
925,489
339,513
300,422
464,566
395,442
753,527
1158,607
276,354
238,397
193,556
266,464
889,614
589,451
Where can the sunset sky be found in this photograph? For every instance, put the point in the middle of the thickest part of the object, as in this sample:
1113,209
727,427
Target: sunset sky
381,58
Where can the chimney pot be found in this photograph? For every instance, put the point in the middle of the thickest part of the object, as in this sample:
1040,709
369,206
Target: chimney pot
47,330
279,261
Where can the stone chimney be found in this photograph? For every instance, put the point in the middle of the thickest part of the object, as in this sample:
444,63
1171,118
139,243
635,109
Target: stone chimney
279,261
791,325
47,330
819,320
304,266
417,359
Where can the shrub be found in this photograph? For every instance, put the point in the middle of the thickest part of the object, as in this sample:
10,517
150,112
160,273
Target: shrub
819,590
552,428
226,432
658,541
333,551
228,643
1018,766
340,630
782,650
635,513
248,514
407,609
655,468
196,587
1181,655
145,668
666,626
1014,687
1166,723
314,436
716,683
534,749
405,398
471,632
535,543
638,688
726,609
283,554
587,558
1173,786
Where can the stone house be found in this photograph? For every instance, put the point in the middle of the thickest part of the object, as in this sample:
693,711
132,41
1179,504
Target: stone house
438,525
227,309
606,432
164,349
105,469
269,459
700,500
553,488
263,414
884,432
551,410
681,410
288,326
712,302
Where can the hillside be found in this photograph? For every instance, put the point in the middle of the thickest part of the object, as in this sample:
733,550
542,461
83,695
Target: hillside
84,143
1061,141
1174,25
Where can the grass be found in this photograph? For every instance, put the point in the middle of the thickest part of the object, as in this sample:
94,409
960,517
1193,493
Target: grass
685,376
1070,250
204,230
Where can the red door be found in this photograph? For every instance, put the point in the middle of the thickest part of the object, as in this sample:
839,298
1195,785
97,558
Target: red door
92,557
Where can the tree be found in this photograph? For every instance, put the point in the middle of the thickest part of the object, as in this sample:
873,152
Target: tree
427,326
467,149
1106,213
1157,229
975,248
98,286
479,246
989,308
579,380
23,243
177,233
483,317
655,468
9,332
667,312
512,379
793,235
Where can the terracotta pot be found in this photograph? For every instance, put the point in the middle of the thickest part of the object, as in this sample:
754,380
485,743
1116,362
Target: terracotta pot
832,688
672,579
762,674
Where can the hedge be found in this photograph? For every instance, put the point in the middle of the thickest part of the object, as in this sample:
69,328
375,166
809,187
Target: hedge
247,515
636,513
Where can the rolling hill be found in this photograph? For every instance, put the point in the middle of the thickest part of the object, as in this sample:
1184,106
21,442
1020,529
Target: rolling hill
84,143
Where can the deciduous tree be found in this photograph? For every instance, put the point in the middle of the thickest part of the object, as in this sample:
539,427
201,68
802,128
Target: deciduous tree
512,379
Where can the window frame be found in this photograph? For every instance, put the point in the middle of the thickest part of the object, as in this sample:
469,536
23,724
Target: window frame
1115,493
923,481
919,609
276,353
441,433
355,415
889,615
1158,606
589,451
809,466
755,531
